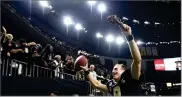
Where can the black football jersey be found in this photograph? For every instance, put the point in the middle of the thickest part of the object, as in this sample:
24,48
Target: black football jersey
126,86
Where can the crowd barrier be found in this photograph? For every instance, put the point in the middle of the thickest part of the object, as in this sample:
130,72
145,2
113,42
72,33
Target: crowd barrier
12,67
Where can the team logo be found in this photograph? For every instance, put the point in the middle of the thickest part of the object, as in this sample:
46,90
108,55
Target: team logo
110,84
123,81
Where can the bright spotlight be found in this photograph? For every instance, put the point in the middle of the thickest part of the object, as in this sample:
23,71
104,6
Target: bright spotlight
146,22
67,20
102,7
44,3
139,42
78,26
109,38
135,21
50,7
98,35
125,18
157,23
119,40
91,2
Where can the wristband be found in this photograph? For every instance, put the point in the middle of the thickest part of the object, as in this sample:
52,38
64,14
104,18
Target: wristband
129,38
86,72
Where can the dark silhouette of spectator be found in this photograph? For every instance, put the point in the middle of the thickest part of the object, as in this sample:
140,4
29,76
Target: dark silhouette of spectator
8,49
69,65
38,60
36,50
25,56
47,55
8,46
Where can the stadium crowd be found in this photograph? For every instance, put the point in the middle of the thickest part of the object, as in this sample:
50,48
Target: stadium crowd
34,53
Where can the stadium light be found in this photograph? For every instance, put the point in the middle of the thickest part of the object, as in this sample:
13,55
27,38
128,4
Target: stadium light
98,35
135,21
101,8
50,7
125,18
139,42
67,20
146,22
119,40
91,3
44,3
157,23
109,38
78,27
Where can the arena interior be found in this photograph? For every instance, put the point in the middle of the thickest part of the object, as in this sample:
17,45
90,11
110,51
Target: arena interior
41,41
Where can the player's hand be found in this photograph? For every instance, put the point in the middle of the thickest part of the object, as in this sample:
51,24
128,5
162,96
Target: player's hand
114,19
126,30
84,68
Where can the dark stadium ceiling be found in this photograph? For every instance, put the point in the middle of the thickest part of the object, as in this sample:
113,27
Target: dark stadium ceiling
166,13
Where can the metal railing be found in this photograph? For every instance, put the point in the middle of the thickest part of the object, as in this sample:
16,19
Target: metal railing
12,67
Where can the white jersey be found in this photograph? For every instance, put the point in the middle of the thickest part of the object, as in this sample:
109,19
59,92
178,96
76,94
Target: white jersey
57,70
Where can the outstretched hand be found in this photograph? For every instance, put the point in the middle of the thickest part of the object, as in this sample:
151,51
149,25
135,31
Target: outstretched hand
126,30
84,68
113,19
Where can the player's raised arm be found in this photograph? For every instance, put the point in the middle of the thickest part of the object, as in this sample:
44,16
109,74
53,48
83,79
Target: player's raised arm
126,30
95,83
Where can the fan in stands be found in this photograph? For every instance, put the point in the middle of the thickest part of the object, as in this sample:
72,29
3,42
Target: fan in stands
80,61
